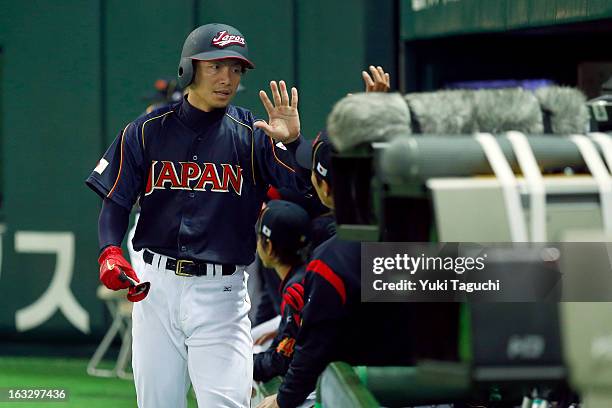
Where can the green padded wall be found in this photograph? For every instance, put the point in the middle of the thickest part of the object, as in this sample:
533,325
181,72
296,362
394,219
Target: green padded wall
51,139
329,58
142,42
332,52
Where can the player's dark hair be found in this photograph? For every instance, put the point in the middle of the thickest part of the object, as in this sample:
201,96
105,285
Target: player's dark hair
287,255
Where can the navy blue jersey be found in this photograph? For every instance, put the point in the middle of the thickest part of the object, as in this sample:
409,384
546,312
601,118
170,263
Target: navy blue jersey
200,178
275,361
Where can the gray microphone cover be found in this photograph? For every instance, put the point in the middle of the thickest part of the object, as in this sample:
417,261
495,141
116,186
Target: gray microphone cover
367,117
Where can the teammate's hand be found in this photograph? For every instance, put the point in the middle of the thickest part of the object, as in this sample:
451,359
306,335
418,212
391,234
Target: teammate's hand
284,120
112,262
268,402
378,82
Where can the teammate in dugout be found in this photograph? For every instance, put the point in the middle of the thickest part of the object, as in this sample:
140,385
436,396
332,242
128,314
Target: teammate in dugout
322,227
336,325
335,264
283,243
200,169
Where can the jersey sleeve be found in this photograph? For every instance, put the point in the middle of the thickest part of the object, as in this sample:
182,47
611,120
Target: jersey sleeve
322,316
275,361
119,174
276,162
326,299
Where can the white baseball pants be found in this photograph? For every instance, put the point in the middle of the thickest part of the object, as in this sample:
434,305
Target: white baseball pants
192,328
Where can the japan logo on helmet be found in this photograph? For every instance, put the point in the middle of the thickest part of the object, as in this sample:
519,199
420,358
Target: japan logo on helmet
224,39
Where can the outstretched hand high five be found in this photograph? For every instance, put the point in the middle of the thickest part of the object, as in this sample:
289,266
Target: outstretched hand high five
378,82
283,118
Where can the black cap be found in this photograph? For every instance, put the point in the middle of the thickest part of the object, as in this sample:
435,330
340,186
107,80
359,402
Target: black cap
286,224
316,156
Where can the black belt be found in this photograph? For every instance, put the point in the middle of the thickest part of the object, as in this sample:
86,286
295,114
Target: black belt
184,267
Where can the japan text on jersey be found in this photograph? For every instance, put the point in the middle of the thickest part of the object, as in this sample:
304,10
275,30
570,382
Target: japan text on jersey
193,176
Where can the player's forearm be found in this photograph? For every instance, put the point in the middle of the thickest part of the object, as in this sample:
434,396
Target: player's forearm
112,224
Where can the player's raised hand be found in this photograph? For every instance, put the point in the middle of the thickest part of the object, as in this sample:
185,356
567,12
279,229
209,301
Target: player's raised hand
283,118
379,81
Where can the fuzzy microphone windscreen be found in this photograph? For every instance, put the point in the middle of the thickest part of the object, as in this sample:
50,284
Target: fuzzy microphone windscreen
367,117
500,110
564,109
442,112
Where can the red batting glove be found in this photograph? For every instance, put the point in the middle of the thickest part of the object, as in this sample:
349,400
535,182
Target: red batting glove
112,262
136,295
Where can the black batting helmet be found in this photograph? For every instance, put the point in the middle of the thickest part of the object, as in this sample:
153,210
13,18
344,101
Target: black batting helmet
208,43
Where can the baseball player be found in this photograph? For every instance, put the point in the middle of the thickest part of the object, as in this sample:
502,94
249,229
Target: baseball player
283,242
200,169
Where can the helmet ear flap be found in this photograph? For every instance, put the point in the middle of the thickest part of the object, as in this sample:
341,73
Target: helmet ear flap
185,72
